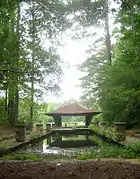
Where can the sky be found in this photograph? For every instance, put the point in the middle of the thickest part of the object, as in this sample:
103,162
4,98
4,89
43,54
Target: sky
73,53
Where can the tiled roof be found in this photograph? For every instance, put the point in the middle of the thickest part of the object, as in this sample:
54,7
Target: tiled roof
72,107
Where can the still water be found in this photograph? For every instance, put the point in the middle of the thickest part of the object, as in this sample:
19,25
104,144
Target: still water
64,145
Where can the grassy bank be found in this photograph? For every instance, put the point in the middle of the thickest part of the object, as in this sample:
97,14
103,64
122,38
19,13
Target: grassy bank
108,132
129,152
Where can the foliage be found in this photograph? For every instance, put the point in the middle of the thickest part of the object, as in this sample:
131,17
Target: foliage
35,157
93,69
120,90
39,111
73,119
101,143
115,89
135,147
2,110
108,132
111,152
20,157
24,61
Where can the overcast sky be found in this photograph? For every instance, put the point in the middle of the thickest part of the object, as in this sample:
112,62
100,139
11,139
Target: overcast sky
73,53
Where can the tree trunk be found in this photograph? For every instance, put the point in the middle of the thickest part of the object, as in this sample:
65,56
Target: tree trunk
5,105
11,104
11,81
17,63
6,97
13,91
107,34
33,61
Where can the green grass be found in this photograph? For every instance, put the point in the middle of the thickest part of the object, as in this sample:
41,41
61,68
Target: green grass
36,157
129,152
135,147
20,157
111,152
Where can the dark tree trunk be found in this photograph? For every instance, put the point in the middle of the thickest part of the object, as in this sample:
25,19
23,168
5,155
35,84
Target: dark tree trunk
17,63
33,61
13,91
107,34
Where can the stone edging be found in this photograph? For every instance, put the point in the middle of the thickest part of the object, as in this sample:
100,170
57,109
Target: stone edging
20,145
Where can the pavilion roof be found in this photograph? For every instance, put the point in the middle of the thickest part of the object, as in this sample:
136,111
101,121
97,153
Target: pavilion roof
72,108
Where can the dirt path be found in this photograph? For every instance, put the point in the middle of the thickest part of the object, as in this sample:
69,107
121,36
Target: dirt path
92,169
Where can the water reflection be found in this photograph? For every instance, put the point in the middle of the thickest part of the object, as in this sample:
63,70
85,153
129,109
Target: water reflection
63,145
68,144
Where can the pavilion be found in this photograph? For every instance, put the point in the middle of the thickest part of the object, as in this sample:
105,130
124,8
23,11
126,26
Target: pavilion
72,108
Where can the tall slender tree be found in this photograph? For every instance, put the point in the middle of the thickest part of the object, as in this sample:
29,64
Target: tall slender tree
107,33
33,60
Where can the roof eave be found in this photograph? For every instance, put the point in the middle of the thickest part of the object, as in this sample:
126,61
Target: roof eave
74,114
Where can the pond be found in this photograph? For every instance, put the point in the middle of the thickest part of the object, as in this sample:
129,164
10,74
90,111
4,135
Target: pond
66,145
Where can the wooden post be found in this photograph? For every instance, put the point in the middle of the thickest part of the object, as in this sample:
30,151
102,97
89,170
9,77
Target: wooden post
20,133
87,120
58,121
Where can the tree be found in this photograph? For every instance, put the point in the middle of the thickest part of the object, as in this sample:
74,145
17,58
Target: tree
94,69
123,81
9,57
19,66
117,87
89,14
